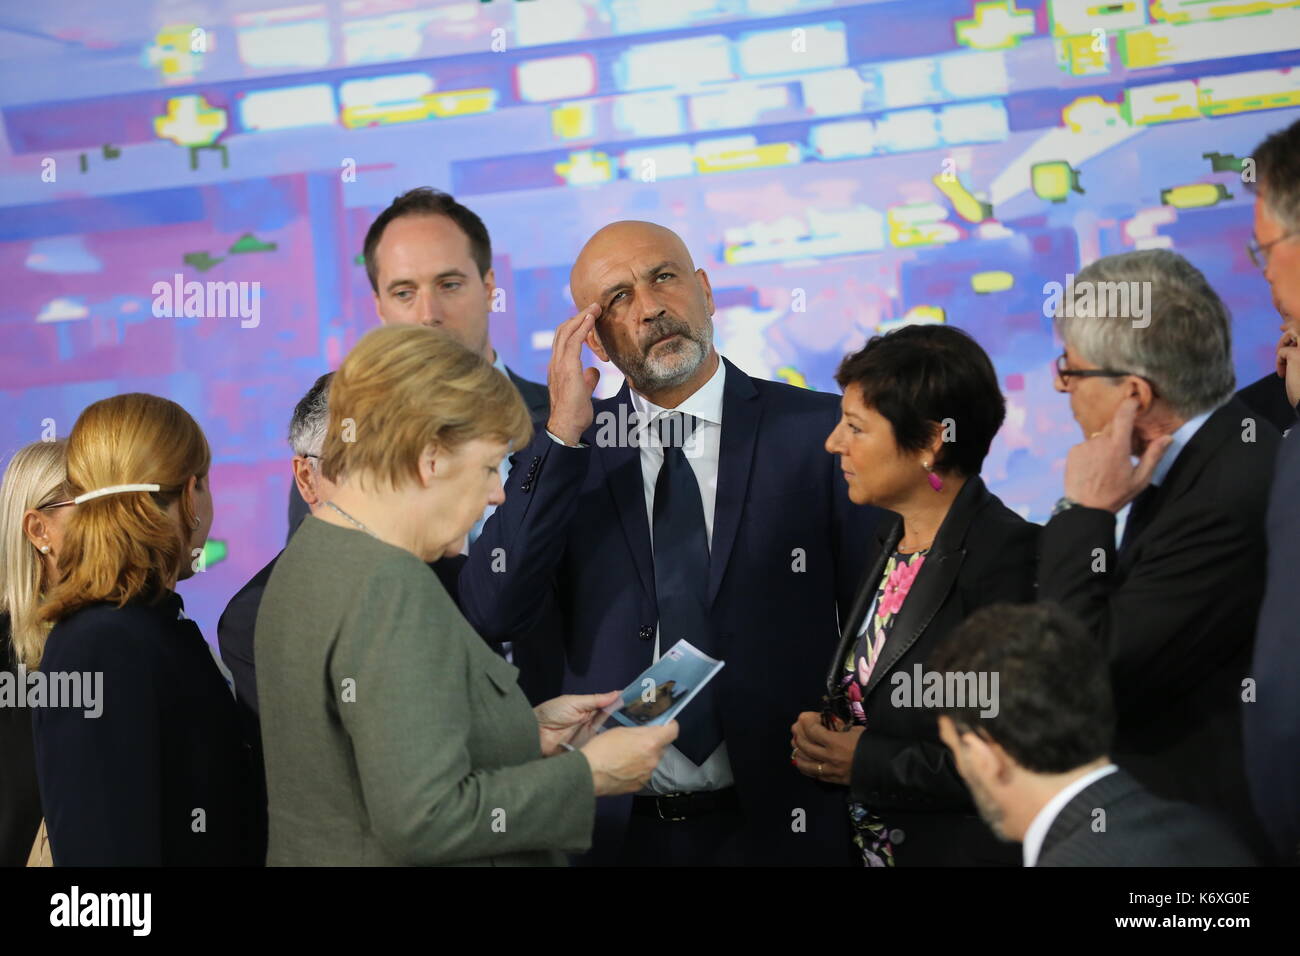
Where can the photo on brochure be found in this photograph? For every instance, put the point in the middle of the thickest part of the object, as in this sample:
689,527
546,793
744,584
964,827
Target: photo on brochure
664,689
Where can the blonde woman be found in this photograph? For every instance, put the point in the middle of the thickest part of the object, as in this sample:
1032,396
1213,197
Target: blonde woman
33,511
147,767
392,733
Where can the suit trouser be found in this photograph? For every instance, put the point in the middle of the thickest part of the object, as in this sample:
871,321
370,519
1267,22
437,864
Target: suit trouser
711,839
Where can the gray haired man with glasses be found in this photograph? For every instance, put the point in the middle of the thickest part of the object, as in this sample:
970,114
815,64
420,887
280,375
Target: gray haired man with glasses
1275,251
1158,545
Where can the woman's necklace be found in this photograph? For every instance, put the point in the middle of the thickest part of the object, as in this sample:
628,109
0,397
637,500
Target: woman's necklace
352,519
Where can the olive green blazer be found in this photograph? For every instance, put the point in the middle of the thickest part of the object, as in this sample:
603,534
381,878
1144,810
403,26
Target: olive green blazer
393,734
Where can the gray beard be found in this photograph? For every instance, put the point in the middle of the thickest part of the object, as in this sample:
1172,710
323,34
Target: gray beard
652,374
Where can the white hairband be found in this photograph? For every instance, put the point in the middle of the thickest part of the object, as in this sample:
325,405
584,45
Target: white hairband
113,490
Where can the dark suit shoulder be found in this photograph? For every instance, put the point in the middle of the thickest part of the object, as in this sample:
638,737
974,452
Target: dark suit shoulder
1001,553
105,637
1267,398
785,395
997,519
251,593
1235,462
105,621
535,395
1117,822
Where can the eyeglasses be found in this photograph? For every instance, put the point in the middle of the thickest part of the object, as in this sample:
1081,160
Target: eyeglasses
56,504
1064,372
1259,252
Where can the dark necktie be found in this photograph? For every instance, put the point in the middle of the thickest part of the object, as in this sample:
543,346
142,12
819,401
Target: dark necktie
1140,514
681,558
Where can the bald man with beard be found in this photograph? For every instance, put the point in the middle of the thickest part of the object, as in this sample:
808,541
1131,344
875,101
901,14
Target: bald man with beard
698,503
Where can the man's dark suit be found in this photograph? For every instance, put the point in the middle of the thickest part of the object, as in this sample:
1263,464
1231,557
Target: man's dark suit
1140,830
984,553
1267,399
787,548
235,641
1176,612
535,396
1273,721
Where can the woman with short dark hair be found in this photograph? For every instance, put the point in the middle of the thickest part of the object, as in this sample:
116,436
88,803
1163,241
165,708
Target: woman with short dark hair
921,407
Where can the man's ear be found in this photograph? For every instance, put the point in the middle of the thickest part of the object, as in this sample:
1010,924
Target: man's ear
302,479
1141,389
708,288
594,343
379,312
983,755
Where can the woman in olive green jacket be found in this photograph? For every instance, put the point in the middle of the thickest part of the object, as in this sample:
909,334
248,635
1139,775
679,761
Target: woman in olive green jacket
393,734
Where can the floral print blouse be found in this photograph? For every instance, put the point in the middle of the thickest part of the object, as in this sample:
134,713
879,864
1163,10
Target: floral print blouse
871,834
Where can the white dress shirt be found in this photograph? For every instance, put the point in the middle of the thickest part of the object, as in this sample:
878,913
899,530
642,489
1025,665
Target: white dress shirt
1042,823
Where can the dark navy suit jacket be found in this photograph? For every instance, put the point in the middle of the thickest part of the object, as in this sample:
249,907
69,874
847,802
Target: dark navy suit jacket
1272,720
564,569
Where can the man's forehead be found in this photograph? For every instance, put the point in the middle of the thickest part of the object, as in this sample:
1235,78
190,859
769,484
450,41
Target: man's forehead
628,257
427,244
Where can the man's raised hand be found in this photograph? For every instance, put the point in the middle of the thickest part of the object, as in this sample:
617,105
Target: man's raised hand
571,386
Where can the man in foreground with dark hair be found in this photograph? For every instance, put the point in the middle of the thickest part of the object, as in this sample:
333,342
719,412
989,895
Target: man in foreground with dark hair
429,262
1039,769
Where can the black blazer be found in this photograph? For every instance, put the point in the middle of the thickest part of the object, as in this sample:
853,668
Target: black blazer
1272,725
1140,829
1267,398
20,798
535,395
984,553
1176,610
123,789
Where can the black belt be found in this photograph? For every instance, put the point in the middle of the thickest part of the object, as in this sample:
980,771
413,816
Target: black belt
674,807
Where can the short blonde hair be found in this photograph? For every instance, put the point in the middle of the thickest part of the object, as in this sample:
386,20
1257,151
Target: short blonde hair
125,546
35,478
403,388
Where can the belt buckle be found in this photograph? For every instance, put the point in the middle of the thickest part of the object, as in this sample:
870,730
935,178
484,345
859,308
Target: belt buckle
660,807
